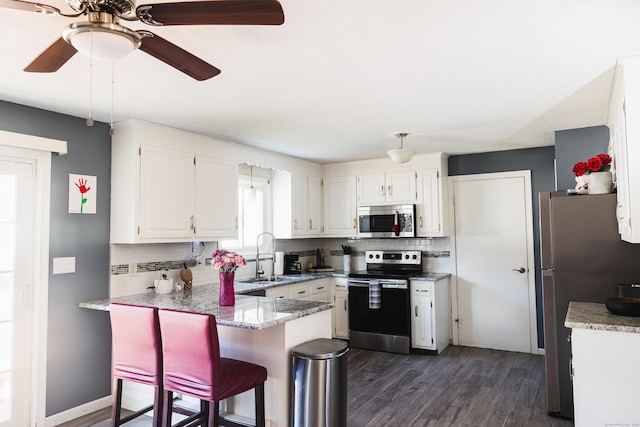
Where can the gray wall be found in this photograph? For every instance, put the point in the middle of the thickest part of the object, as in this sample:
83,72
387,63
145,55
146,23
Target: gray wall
577,145
78,340
540,162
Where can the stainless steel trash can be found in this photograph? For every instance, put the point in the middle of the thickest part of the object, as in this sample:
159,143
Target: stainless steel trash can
319,384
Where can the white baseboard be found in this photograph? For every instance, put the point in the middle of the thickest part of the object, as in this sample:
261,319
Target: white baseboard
78,411
541,351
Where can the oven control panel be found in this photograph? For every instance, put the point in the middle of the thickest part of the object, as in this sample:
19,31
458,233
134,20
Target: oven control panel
393,257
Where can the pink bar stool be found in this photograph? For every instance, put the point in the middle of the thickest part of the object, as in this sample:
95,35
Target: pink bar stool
193,366
137,356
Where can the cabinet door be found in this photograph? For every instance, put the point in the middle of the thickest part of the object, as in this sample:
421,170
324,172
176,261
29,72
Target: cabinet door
166,194
340,206
401,187
216,198
314,205
428,212
371,189
341,314
300,224
422,332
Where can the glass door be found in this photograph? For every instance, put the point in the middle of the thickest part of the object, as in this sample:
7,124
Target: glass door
17,207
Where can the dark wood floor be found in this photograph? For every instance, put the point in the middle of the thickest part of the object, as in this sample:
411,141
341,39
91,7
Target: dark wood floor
463,386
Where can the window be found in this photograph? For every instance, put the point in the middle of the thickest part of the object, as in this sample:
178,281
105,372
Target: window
254,213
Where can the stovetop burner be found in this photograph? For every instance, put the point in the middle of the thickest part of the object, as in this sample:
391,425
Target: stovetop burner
390,265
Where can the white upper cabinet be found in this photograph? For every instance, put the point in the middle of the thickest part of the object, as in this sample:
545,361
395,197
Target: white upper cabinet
422,182
429,210
161,195
340,214
166,194
624,128
384,188
297,205
216,198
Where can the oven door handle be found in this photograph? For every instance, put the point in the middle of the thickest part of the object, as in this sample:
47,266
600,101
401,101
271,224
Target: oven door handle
358,283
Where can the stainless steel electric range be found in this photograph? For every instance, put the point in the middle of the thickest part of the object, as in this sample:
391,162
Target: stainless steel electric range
379,301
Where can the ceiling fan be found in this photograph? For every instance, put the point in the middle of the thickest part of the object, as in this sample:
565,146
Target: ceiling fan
102,37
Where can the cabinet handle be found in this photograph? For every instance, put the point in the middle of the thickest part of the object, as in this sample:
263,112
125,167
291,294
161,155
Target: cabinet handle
382,189
345,305
389,190
295,223
354,223
416,310
191,222
236,223
302,292
420,222
310,224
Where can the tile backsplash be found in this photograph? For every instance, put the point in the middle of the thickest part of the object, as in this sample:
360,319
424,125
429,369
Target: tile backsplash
134,267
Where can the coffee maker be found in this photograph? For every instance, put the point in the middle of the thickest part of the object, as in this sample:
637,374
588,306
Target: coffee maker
292,264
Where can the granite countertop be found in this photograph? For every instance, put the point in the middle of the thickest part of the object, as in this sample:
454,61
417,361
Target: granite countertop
591,315
431,277
249,312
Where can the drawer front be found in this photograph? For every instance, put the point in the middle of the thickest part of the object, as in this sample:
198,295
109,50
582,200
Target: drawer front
279,292
300,291
419,287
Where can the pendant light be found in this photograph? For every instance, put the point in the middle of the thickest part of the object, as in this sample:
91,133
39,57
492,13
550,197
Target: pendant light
250,194
401,155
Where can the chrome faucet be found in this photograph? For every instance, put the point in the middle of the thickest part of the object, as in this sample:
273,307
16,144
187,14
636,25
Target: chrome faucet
259,269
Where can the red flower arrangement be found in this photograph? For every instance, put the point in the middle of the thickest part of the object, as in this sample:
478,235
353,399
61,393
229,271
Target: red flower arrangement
599,163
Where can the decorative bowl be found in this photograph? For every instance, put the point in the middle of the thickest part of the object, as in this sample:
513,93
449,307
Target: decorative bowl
624,306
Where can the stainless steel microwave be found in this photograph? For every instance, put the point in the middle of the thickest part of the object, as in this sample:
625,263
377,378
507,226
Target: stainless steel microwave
387,221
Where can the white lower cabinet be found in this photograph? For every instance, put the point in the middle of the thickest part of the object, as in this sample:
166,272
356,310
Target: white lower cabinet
310,290
605,377
340,314
430,328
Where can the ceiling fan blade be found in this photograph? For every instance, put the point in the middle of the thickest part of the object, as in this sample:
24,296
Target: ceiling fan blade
53,57
20,5
214,12
177,57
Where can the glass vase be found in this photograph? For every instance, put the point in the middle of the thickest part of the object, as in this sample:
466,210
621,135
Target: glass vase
227,294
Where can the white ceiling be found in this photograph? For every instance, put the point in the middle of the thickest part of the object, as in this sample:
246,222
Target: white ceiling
340,78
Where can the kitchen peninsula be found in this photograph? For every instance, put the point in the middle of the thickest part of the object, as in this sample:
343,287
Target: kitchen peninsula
251,330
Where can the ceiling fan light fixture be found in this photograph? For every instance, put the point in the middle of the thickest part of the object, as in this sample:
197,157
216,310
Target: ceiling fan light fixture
401,155
103,41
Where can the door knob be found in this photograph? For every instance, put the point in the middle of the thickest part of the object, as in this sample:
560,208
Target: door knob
519,270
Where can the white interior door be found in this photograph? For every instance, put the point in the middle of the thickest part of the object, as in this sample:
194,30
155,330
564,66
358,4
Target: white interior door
493,261
17,201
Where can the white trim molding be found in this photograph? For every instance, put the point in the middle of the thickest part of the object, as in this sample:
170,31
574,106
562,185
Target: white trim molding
78,411
31,142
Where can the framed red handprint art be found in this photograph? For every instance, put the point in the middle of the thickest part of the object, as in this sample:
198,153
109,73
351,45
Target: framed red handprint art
83,190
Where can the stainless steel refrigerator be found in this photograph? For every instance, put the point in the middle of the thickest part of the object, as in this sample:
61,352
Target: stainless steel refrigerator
583,259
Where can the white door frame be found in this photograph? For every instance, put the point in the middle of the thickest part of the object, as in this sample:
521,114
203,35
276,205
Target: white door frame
38,149
526,175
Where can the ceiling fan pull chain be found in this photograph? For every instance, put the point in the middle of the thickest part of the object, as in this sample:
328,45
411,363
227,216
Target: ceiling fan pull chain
113,67
90,118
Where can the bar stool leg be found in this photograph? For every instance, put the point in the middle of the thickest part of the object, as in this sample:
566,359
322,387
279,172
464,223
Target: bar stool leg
116,404
259,402
167,408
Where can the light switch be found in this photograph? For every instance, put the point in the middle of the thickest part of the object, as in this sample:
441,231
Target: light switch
64,265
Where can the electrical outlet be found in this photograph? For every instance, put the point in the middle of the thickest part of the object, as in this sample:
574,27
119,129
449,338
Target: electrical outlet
133,269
